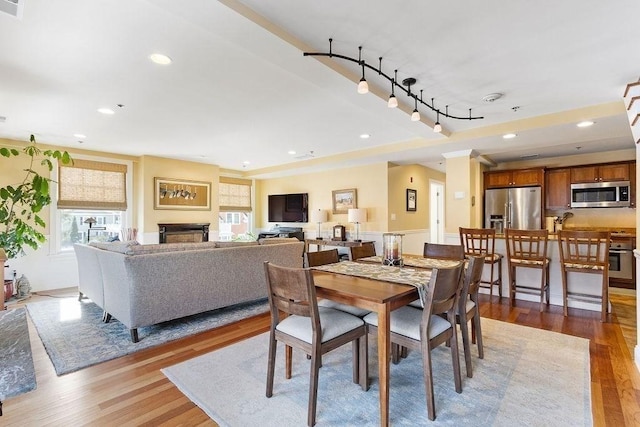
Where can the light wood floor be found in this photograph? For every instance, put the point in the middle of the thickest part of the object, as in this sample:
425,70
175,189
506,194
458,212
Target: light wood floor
132,391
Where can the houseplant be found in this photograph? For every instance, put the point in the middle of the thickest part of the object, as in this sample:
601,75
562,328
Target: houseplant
21,204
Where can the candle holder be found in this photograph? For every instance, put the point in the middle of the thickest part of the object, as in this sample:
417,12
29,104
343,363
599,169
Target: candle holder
392,249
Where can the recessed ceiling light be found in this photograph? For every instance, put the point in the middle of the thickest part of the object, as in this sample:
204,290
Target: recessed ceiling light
585,124
509,135
79,135
365,136
159,58
246,162
105,111
291,152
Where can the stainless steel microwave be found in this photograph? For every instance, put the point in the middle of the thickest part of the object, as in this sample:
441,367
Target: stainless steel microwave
600,195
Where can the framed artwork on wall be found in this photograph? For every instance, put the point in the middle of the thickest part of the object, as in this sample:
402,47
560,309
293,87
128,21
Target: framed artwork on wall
412,200
181,194
343,200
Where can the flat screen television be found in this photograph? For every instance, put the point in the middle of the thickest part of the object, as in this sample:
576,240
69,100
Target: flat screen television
288,207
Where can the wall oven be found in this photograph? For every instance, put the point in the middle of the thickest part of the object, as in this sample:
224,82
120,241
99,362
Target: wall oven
621,260
600,195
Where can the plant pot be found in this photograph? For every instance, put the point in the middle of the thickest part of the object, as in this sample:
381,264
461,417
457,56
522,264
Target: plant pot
8,289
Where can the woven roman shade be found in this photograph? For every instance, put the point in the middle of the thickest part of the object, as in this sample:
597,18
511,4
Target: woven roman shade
234,195
92,185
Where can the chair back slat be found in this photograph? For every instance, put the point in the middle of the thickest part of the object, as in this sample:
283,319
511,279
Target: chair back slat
367,249
478,241
440,251
471,281
291,290
314,259
527,245
589,249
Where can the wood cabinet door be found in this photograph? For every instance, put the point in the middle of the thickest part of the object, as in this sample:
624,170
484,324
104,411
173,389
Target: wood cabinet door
632,182
526,177
584,174
558,189
497,179
615,172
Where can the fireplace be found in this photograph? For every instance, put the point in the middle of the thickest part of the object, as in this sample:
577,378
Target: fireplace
184,233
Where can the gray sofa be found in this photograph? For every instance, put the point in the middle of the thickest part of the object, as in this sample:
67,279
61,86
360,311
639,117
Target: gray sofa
141,285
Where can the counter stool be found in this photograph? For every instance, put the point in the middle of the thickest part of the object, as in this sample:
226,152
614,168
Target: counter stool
481,242
528,249
585,252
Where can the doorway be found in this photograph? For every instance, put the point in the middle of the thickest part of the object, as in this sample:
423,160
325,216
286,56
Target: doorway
436,211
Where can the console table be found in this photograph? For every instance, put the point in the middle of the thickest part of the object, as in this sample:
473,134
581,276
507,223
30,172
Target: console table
329,242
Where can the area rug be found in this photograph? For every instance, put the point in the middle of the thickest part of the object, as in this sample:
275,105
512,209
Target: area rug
75,337
529,377
17,374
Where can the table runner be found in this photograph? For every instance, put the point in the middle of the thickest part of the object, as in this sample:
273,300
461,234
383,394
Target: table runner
406,276
415,261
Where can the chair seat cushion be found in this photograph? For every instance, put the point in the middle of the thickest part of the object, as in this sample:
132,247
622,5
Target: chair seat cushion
333,322
417,304
583,266
360,312
468,306
525,261
406,321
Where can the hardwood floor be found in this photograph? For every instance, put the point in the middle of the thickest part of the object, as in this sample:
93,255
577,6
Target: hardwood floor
132,391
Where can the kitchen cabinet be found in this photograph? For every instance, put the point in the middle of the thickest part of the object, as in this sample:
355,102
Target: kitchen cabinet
514,178
558,189
632,182
598,173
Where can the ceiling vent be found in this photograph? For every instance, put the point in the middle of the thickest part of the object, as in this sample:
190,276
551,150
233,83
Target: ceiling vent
12,7
305,156
3,119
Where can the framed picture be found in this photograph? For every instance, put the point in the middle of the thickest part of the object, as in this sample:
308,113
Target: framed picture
412,197
181,194
343,200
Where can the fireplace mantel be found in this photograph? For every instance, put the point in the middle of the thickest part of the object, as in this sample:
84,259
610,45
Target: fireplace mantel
199,232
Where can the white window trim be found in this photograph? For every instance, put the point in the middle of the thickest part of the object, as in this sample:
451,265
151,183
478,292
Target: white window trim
54,226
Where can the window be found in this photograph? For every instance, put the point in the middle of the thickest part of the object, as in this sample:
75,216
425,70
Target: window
234,200
92,202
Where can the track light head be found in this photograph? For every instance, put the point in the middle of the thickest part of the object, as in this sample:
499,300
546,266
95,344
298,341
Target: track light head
393,101
363,86
437,128
415,116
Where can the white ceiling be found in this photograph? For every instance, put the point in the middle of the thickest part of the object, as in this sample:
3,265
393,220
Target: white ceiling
239,88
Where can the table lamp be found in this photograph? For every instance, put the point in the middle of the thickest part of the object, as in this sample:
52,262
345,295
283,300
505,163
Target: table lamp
357,216
319,216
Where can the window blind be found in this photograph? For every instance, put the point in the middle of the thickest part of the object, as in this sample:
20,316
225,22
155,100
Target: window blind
92,185
234,194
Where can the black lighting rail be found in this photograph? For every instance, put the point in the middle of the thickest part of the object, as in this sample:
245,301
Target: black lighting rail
393,80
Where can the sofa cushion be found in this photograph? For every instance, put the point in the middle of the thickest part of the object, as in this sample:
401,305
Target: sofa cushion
168,247
120,247
277,240
232,244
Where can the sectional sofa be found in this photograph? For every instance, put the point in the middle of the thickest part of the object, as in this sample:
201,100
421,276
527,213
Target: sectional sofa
141,285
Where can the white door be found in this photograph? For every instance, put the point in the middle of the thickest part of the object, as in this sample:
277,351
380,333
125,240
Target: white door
436,214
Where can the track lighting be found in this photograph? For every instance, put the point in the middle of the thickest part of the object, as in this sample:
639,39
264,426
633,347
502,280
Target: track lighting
363,87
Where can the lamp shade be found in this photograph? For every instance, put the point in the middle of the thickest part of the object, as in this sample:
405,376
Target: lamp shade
319,216
357,215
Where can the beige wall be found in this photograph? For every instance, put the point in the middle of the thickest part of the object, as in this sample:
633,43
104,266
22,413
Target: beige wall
464,188
415,177
152,167
369,181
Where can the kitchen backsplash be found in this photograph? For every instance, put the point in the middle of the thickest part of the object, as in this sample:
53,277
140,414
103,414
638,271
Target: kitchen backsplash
601,217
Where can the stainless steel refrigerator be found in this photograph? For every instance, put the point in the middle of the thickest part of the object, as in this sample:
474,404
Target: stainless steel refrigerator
519,208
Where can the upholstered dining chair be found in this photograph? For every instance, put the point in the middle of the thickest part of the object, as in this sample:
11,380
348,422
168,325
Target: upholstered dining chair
424,329
314,259
469,309
481,241
528,249
365,250
585,252
312,329
442,251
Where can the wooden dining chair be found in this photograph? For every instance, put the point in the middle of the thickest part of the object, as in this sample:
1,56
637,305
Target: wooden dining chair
314,259
585,252
312,329
469,310
367,249
481,241
528,249
442,251
425,329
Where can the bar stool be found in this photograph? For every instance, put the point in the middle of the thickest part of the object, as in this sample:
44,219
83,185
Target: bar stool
481,242
528,249
585,252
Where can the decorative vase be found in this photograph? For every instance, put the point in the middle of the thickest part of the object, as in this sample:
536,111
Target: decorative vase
392,249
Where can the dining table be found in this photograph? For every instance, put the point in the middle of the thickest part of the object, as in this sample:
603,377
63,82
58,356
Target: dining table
375,287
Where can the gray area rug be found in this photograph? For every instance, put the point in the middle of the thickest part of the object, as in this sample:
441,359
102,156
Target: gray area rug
75,337
529,377
17,374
